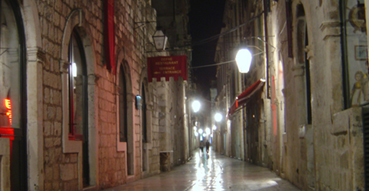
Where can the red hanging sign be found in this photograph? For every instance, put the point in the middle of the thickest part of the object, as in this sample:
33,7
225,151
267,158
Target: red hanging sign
167,66
109,36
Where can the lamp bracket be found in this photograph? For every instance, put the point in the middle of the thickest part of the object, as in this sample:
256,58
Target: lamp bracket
142,23
259,38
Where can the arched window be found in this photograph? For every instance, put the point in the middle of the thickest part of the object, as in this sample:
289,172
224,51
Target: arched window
145,138
125,116
122,106
77,89
302,42
144,120
78,102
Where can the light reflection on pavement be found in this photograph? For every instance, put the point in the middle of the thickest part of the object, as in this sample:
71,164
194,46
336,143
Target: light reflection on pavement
213,172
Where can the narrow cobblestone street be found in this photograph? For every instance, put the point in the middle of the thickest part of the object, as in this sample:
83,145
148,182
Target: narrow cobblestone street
213,172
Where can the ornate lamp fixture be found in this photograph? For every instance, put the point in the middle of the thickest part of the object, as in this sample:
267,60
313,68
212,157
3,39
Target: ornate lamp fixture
160,40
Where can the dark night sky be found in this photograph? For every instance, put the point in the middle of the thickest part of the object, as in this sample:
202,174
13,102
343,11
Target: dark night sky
205,21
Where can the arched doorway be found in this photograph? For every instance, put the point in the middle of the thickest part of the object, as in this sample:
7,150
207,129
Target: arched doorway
13,97
125,115
144,128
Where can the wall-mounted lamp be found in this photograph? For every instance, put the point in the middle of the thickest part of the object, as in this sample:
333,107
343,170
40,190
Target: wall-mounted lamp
138,102
160,40
158,37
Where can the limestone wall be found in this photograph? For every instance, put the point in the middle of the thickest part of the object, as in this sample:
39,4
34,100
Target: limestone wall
326,154
62,170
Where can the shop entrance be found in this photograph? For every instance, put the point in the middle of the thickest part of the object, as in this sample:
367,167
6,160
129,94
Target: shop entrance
12,97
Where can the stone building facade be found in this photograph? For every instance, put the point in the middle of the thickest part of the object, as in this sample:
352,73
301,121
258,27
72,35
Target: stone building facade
72,118
307,122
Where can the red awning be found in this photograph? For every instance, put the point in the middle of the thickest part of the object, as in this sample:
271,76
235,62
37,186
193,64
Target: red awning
245,96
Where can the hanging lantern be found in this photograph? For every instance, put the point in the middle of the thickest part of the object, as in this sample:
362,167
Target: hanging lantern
160,40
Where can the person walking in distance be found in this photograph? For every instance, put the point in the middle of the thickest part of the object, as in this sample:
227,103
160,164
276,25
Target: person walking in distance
207,144
202,146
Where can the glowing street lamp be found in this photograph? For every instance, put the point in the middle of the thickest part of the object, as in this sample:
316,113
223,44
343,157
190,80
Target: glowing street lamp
243,60
218,117
196,106
214,127
207,130
200,131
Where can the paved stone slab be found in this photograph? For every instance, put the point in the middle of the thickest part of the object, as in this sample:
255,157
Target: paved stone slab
213,172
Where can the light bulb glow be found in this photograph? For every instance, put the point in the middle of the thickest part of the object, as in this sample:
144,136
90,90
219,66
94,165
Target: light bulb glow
200,131
207,131
74,69
196,106
243,60
218,117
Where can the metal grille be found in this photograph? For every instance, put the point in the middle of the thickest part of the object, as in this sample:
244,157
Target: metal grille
365,116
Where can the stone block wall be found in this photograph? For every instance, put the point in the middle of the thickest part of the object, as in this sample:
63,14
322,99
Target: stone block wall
178,125
170,128
111,164
154,156
61,170
326,154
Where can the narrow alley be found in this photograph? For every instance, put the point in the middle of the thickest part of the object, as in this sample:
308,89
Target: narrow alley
211,172
120,94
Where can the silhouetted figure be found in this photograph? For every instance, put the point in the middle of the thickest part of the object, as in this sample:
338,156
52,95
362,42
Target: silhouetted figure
202,146
207,144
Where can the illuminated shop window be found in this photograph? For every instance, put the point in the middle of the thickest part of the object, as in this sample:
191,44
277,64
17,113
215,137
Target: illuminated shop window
10,68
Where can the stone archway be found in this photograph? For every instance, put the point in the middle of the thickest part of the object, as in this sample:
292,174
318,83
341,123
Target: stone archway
35,61
127,146
146,121
75,21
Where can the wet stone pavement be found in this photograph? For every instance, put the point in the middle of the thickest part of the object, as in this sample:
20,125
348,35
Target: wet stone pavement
213,172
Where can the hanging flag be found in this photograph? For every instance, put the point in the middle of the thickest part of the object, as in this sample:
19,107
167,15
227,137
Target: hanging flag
109,36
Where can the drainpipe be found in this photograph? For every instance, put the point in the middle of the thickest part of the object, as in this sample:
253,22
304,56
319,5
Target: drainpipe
266,10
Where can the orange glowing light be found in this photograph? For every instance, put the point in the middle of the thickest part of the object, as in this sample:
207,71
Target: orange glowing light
9,114
8,106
